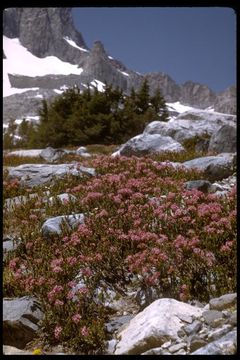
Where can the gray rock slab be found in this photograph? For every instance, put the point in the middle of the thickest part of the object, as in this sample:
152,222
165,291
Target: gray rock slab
201,185
20,320
149,144
37,174
214,167
53,225
50,154
156,324
223,302
211,315
226,345
216,334
224,140
193,328
117,322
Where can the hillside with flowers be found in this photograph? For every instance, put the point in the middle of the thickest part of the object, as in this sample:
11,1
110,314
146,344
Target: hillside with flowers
142,233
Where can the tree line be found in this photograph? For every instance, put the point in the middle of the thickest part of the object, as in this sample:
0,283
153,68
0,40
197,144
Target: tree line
89,117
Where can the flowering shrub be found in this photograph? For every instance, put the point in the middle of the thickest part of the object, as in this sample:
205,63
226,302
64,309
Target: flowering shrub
140,225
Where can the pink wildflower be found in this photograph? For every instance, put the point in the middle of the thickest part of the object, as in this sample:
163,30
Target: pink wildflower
84,331
29,245
86,271
71,260
76,318
58,302
57,269
33,217
57,332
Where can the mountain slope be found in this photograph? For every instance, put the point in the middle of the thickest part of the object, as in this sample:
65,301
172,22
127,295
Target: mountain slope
51,55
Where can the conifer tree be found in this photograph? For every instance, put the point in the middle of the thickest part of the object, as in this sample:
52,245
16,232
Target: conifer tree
159,105
142,97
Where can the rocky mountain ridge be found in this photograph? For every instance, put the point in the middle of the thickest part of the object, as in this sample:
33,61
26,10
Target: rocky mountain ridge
51,32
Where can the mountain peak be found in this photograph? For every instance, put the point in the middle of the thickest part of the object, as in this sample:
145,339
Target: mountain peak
98,49
42,31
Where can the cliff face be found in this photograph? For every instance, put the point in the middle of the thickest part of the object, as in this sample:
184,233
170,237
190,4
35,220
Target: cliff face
42,31
51,32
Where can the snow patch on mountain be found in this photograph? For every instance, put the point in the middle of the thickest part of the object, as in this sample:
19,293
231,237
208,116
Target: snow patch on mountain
178,107
98,84
72,43
124,73
21,62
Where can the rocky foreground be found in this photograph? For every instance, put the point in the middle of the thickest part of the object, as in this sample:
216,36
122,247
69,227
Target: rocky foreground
165,327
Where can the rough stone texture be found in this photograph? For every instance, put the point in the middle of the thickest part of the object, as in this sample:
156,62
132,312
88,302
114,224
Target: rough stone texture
226,345
117,322
196,94
201,185
177,347
11,350
64,198
211,315
224,140
148,144
82,151
169,88
216,334
24,104
153,326
214,167
42,31
51,155
192,328
30,153
36,174
226,101
190,124
53,225
20,320
223,302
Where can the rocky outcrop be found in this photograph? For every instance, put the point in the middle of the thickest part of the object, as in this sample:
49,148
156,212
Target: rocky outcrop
226,101
201,185
36,174
156,324
20,320
190,124
26,104
171,327
224,140
53,226
170,90
214,167
49,154
196,95
144,144
42,32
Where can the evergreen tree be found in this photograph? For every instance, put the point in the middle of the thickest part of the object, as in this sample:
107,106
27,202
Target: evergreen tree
143,98
159,105
9,135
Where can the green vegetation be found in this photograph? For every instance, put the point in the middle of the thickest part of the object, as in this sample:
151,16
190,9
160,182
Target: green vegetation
84,118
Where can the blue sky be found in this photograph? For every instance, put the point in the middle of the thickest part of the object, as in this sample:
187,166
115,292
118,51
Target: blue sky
188,43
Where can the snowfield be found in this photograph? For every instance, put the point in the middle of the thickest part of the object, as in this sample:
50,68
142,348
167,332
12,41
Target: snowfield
72,43
20,61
